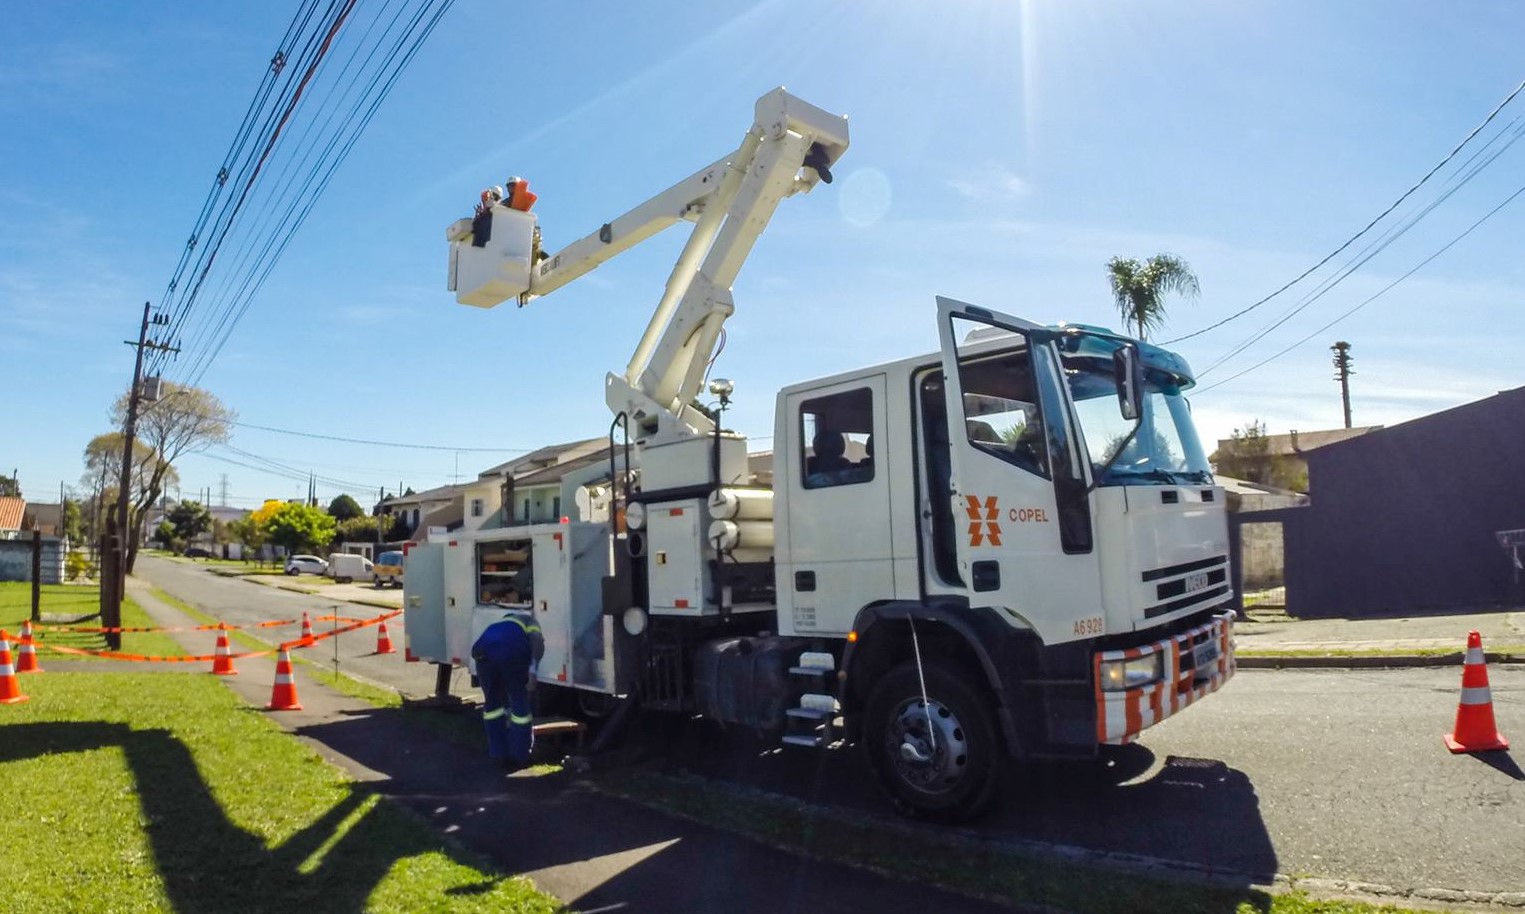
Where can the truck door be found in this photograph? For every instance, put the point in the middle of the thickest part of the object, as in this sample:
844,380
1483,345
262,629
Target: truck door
833,466
423,595
1022,529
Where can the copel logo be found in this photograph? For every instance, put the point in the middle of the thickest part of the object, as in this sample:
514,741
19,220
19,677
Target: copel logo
982,520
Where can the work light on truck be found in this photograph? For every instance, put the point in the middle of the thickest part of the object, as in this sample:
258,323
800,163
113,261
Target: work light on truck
1117,675
635,515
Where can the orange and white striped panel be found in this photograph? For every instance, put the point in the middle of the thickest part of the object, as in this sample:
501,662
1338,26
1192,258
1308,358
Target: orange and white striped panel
1121,716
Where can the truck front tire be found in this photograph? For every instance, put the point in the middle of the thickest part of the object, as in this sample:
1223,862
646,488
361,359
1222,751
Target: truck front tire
938,760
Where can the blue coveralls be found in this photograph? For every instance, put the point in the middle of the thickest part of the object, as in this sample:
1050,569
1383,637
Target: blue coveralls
506,655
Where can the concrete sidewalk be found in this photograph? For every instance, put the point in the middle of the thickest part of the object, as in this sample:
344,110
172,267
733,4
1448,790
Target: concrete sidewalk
592,851
1408,640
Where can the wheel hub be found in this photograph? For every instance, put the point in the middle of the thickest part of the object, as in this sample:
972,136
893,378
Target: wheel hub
927,744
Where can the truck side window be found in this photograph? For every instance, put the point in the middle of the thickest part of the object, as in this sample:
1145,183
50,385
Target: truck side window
837,439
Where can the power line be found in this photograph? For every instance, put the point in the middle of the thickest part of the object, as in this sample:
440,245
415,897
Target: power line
280,146
1489,215
396,444
1370,251
1352,239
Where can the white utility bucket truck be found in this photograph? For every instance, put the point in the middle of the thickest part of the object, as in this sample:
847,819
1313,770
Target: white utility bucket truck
1009,548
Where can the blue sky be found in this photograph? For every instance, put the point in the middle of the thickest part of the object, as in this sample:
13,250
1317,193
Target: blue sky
1001,153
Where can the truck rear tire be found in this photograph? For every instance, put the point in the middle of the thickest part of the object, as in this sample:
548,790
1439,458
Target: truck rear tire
939,760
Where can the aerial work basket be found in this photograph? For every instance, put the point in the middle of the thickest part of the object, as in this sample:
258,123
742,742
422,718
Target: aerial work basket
492,252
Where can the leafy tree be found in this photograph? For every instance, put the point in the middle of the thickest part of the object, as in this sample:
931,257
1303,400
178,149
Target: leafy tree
190,519
182,421
345,508
147,478
364,529
299,528
1247,454
247,530
1139,290
73,522
76,564
165,535
10,487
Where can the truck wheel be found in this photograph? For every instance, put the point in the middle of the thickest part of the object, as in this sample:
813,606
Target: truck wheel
939,759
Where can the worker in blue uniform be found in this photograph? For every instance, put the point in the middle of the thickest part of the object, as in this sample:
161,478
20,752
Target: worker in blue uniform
507,654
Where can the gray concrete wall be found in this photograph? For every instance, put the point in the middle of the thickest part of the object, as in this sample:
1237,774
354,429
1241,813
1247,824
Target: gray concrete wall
16,560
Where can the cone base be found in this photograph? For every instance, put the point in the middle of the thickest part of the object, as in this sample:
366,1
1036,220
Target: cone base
295,706
34,669
1498,742
390,650
225,672
17,700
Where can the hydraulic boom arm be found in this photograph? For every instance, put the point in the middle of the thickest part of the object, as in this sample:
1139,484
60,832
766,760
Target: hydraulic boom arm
790,147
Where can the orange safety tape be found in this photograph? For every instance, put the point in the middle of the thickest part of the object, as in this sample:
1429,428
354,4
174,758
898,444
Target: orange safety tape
144,658
363,623
210,627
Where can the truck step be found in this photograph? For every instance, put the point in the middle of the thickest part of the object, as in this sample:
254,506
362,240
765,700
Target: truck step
809,742
818,701
811,670
817,660
811,713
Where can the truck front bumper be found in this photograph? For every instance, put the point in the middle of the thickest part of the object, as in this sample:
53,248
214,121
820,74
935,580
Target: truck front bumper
1196,662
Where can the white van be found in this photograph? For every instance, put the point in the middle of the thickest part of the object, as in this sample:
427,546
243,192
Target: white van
346,567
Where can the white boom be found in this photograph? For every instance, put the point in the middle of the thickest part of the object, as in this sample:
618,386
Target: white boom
789,148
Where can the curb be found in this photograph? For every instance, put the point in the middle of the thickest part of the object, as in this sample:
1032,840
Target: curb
1364,661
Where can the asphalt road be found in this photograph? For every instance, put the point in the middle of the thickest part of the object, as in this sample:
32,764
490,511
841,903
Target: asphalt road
1339,774
241,602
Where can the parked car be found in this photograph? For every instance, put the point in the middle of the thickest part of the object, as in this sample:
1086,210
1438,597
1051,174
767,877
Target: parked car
346,567
197,552
305,564
389,569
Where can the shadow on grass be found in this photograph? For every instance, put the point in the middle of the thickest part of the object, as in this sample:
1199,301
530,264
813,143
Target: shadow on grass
208,864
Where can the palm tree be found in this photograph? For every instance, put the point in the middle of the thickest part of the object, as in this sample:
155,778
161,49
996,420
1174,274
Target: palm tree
1139,290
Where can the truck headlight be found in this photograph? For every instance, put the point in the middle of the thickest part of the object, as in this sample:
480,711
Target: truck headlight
1118,675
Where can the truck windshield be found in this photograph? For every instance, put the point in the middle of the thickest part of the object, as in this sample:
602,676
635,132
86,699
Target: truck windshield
1165,450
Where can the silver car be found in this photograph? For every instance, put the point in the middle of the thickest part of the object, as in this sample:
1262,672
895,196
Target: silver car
305,564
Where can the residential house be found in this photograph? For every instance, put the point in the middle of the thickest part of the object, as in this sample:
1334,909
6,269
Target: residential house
1277,460
17,524
12,514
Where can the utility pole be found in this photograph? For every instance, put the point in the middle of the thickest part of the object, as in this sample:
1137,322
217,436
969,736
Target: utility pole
113,590
1342,373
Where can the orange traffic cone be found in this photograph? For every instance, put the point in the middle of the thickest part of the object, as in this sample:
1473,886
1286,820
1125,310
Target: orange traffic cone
10,689
284,696
26,660
1475,729
384,640
306,631
222,658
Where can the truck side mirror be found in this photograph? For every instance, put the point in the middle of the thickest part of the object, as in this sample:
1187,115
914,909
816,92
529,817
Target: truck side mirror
1128,372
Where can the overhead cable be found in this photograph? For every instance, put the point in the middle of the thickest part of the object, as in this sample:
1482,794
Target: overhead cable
1352,239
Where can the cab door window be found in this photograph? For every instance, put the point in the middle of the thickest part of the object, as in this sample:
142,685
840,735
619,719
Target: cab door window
1001,412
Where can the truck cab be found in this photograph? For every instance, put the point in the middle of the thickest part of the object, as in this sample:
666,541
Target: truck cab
1029,510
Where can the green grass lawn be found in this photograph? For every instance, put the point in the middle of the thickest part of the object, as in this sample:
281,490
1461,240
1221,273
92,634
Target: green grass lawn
162,792
79,600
